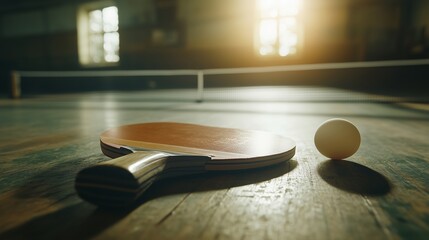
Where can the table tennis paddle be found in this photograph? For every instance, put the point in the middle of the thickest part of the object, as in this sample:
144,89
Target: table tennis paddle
146,152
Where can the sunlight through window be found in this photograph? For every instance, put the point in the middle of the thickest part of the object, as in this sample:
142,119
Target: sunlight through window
104,36
278,32
98,35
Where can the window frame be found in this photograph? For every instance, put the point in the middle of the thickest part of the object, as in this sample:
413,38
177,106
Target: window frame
83,32
299,32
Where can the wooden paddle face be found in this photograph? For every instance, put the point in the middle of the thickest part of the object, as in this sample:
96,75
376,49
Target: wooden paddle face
218,143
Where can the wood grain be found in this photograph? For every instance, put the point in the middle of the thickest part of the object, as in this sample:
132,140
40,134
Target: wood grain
379,193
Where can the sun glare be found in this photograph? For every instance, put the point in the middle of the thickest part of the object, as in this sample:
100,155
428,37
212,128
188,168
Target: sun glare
278,27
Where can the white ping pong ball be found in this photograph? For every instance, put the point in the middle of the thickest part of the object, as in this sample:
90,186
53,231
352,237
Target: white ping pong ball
337,138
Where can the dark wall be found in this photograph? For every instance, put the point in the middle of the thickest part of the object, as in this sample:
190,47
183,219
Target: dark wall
42,35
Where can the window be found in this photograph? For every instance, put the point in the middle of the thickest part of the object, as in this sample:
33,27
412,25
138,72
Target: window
98,34
278,24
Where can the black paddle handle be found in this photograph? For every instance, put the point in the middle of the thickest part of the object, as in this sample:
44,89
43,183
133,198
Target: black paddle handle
121,181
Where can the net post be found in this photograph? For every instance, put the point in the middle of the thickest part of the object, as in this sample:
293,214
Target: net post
200,86
15,80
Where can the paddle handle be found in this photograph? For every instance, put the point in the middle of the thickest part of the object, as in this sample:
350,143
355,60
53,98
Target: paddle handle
139,164
120,181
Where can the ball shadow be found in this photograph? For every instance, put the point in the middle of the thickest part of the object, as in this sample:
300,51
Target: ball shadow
353,177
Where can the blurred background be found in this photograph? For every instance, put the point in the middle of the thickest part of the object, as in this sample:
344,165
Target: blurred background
201,34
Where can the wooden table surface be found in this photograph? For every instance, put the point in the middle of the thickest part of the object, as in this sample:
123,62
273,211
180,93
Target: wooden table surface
382,192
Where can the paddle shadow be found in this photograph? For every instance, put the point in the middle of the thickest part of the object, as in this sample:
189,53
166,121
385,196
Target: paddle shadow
83,220
76,221
215,180
353,177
